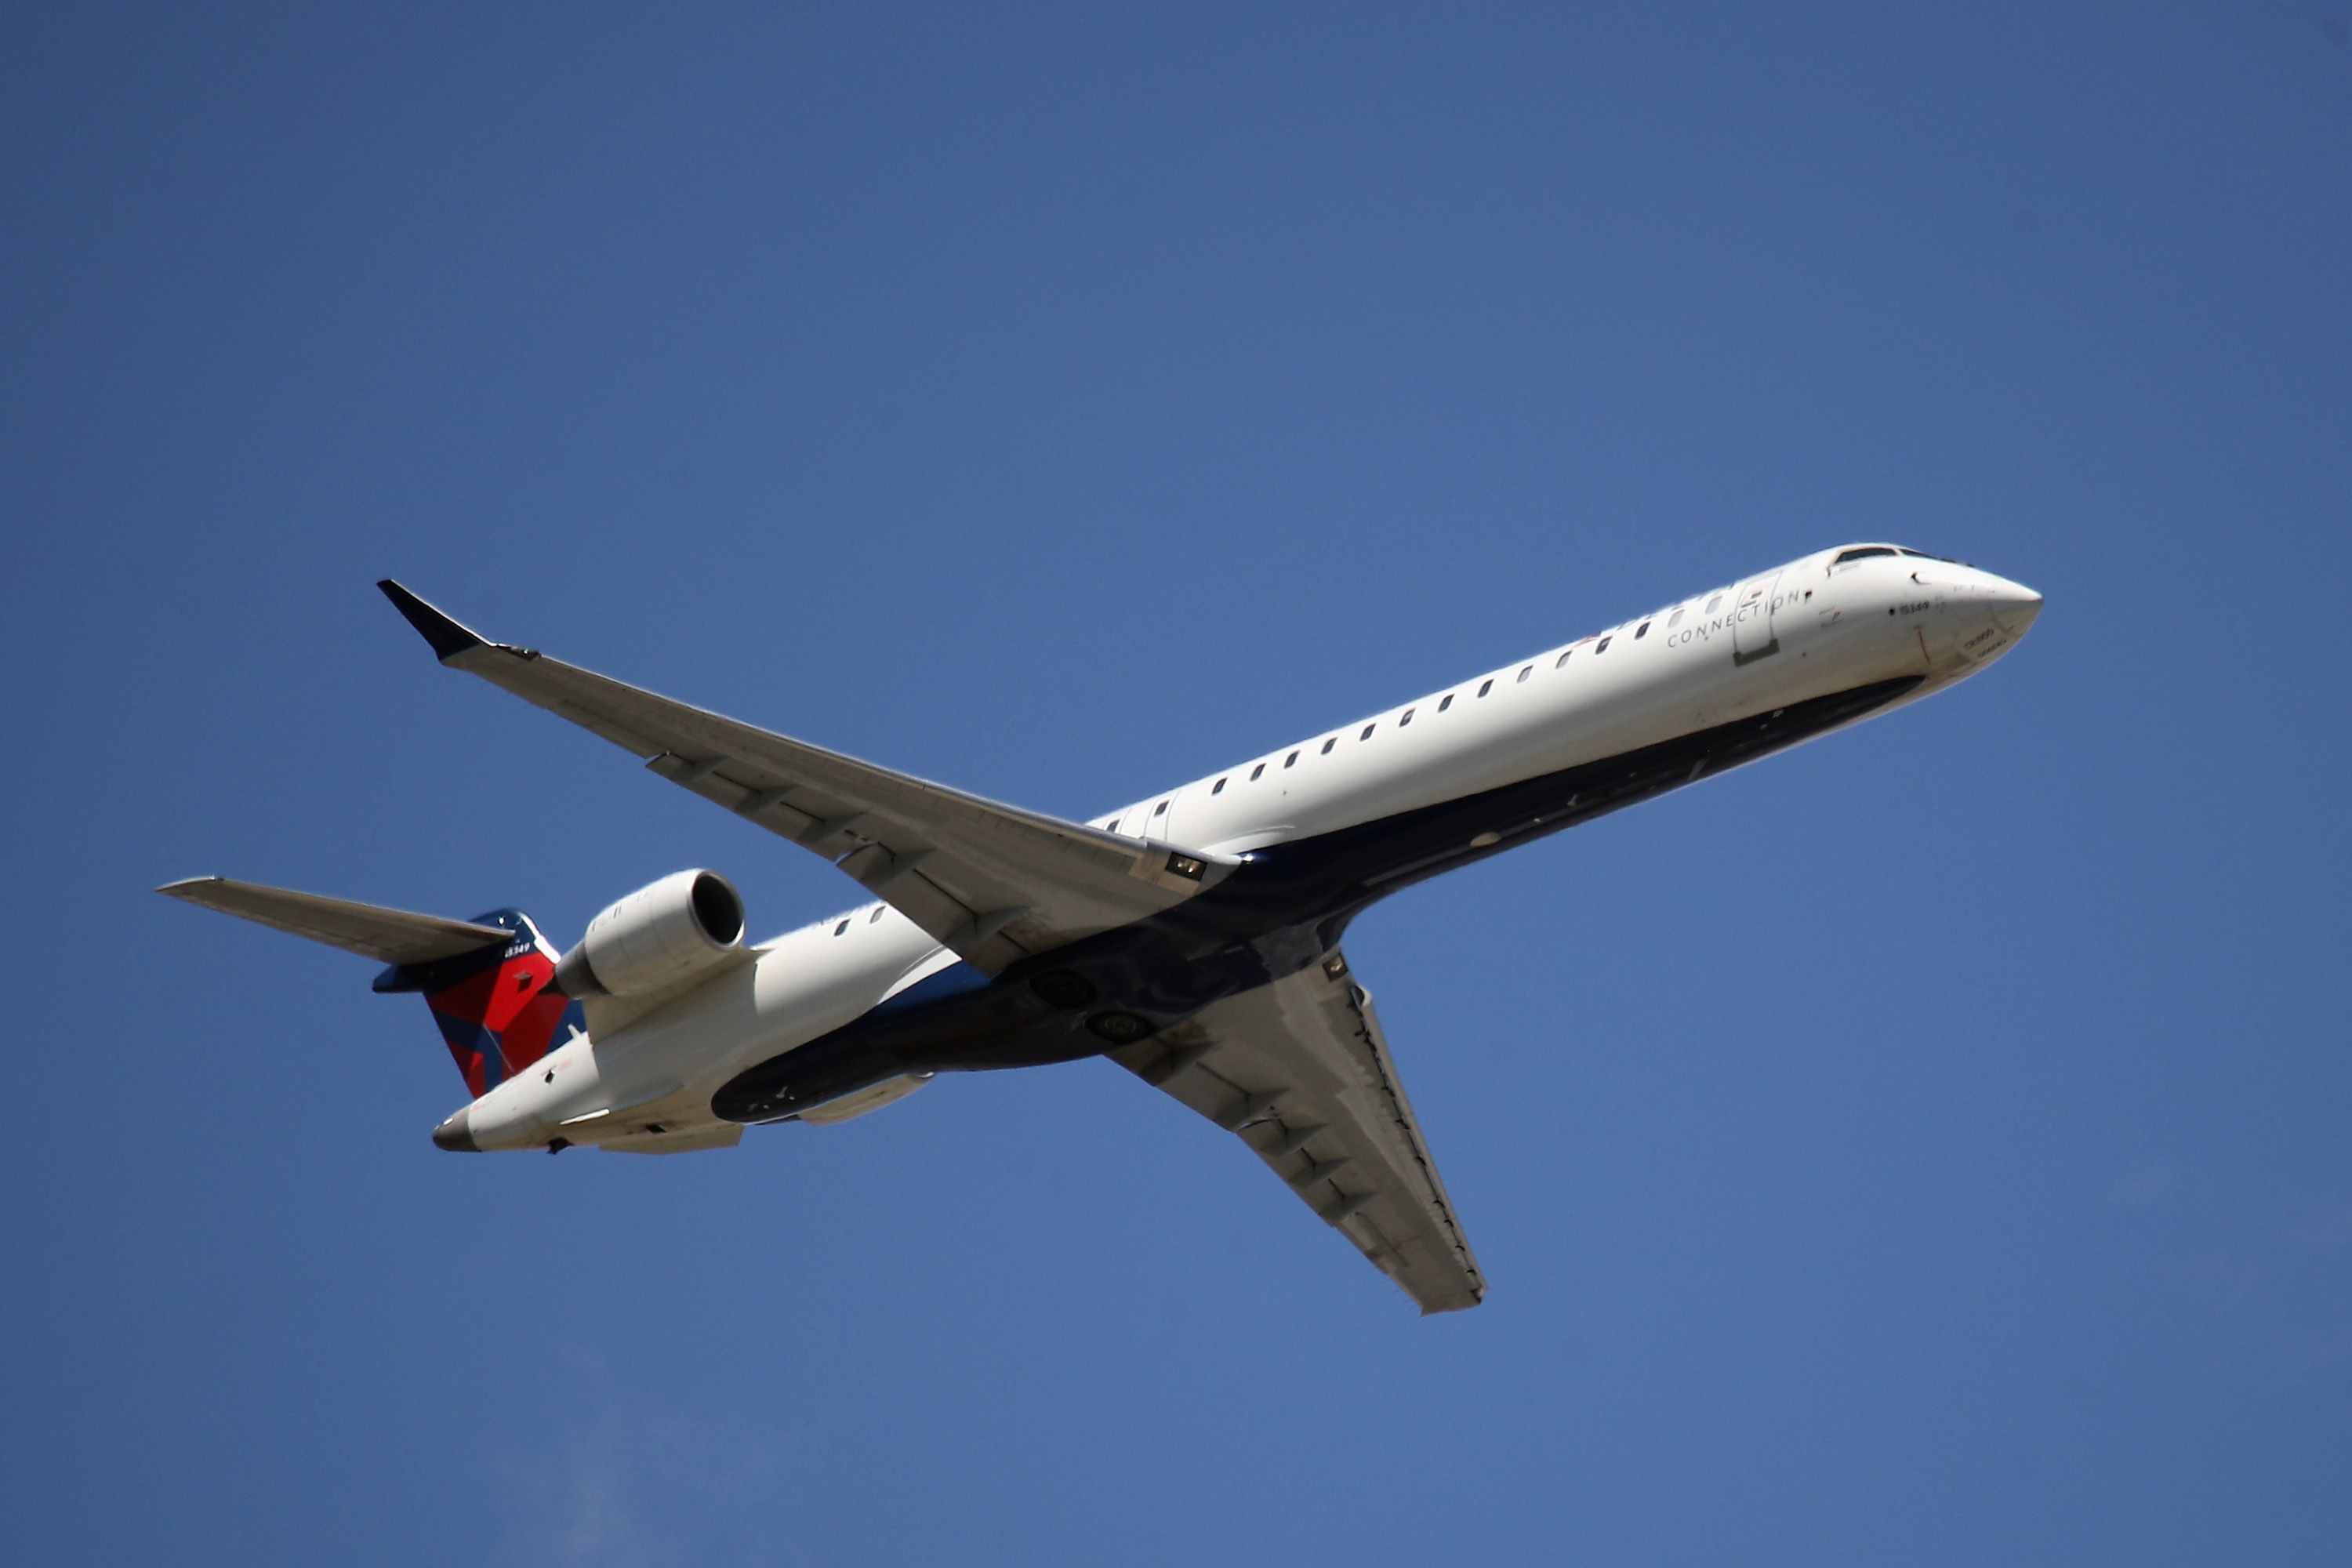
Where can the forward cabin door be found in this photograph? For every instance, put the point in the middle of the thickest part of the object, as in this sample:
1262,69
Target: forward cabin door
1752,628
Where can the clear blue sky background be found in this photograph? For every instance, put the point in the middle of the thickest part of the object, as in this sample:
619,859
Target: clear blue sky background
1929,1147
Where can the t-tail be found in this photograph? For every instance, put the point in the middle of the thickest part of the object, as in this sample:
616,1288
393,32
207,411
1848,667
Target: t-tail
489,981
496,1007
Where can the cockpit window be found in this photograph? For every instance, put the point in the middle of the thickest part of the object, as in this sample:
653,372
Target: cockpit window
1863,554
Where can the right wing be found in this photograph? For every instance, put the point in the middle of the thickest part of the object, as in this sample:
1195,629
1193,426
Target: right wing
993,882
1300,1071
388,936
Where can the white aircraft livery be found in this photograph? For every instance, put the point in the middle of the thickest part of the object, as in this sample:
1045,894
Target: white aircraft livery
1192,937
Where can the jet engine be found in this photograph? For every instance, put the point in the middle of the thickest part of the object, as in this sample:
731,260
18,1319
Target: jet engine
657,939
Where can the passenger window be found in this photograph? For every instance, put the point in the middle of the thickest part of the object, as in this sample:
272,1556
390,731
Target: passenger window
1291,761
842,927
1525,673
1405,719
1675,620
1485,687
1218,787
1329,743
1159,810
1602,646
1367,731
1561,661
1712,602
1444,702
1255,772
1114,825
1640,631
875,917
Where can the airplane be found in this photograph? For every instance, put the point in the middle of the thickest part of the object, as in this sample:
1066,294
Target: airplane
1192,937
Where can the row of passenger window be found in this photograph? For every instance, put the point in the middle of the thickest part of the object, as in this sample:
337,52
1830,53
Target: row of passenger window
1675,617
1599,646
1404,720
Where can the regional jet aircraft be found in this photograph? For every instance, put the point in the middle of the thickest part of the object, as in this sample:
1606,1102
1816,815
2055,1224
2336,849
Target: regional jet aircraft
1191,937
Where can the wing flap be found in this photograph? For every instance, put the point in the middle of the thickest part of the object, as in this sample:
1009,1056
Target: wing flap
388,936
1300,1071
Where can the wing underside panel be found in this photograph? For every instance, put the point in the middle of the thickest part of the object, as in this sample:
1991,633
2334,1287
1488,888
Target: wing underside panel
995,882
1300,1071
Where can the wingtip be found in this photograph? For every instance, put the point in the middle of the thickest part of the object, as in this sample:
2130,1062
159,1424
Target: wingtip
181,889
446,637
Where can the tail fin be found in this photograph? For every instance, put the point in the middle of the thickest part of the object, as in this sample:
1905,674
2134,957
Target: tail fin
489,981
497,1007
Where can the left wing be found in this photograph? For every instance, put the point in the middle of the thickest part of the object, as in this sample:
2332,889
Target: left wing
1300,1071
993,882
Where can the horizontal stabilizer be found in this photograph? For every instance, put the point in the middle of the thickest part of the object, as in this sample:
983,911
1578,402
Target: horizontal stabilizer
389,936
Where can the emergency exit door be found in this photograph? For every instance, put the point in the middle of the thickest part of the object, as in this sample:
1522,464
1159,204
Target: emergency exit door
1752,627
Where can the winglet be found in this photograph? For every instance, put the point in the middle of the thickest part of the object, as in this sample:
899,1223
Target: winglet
447,639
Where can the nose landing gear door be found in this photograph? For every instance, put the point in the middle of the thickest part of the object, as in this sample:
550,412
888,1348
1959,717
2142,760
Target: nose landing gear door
1751,624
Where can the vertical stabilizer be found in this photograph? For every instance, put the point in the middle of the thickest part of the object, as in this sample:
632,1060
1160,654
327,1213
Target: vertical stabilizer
496,1008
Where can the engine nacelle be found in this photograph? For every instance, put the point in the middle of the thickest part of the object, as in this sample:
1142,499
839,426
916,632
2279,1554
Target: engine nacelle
657,939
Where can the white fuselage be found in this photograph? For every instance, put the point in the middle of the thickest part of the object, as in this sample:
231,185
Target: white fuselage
1829,622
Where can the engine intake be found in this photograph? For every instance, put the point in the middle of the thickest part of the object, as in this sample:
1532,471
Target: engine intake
657,939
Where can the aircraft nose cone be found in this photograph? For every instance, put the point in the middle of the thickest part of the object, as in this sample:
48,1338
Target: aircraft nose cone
2015,605
456,1134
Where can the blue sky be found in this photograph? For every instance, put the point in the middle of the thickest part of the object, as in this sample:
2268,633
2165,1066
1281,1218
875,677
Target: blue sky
1927,1147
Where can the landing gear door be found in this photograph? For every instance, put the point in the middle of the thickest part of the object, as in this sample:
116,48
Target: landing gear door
1751,625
